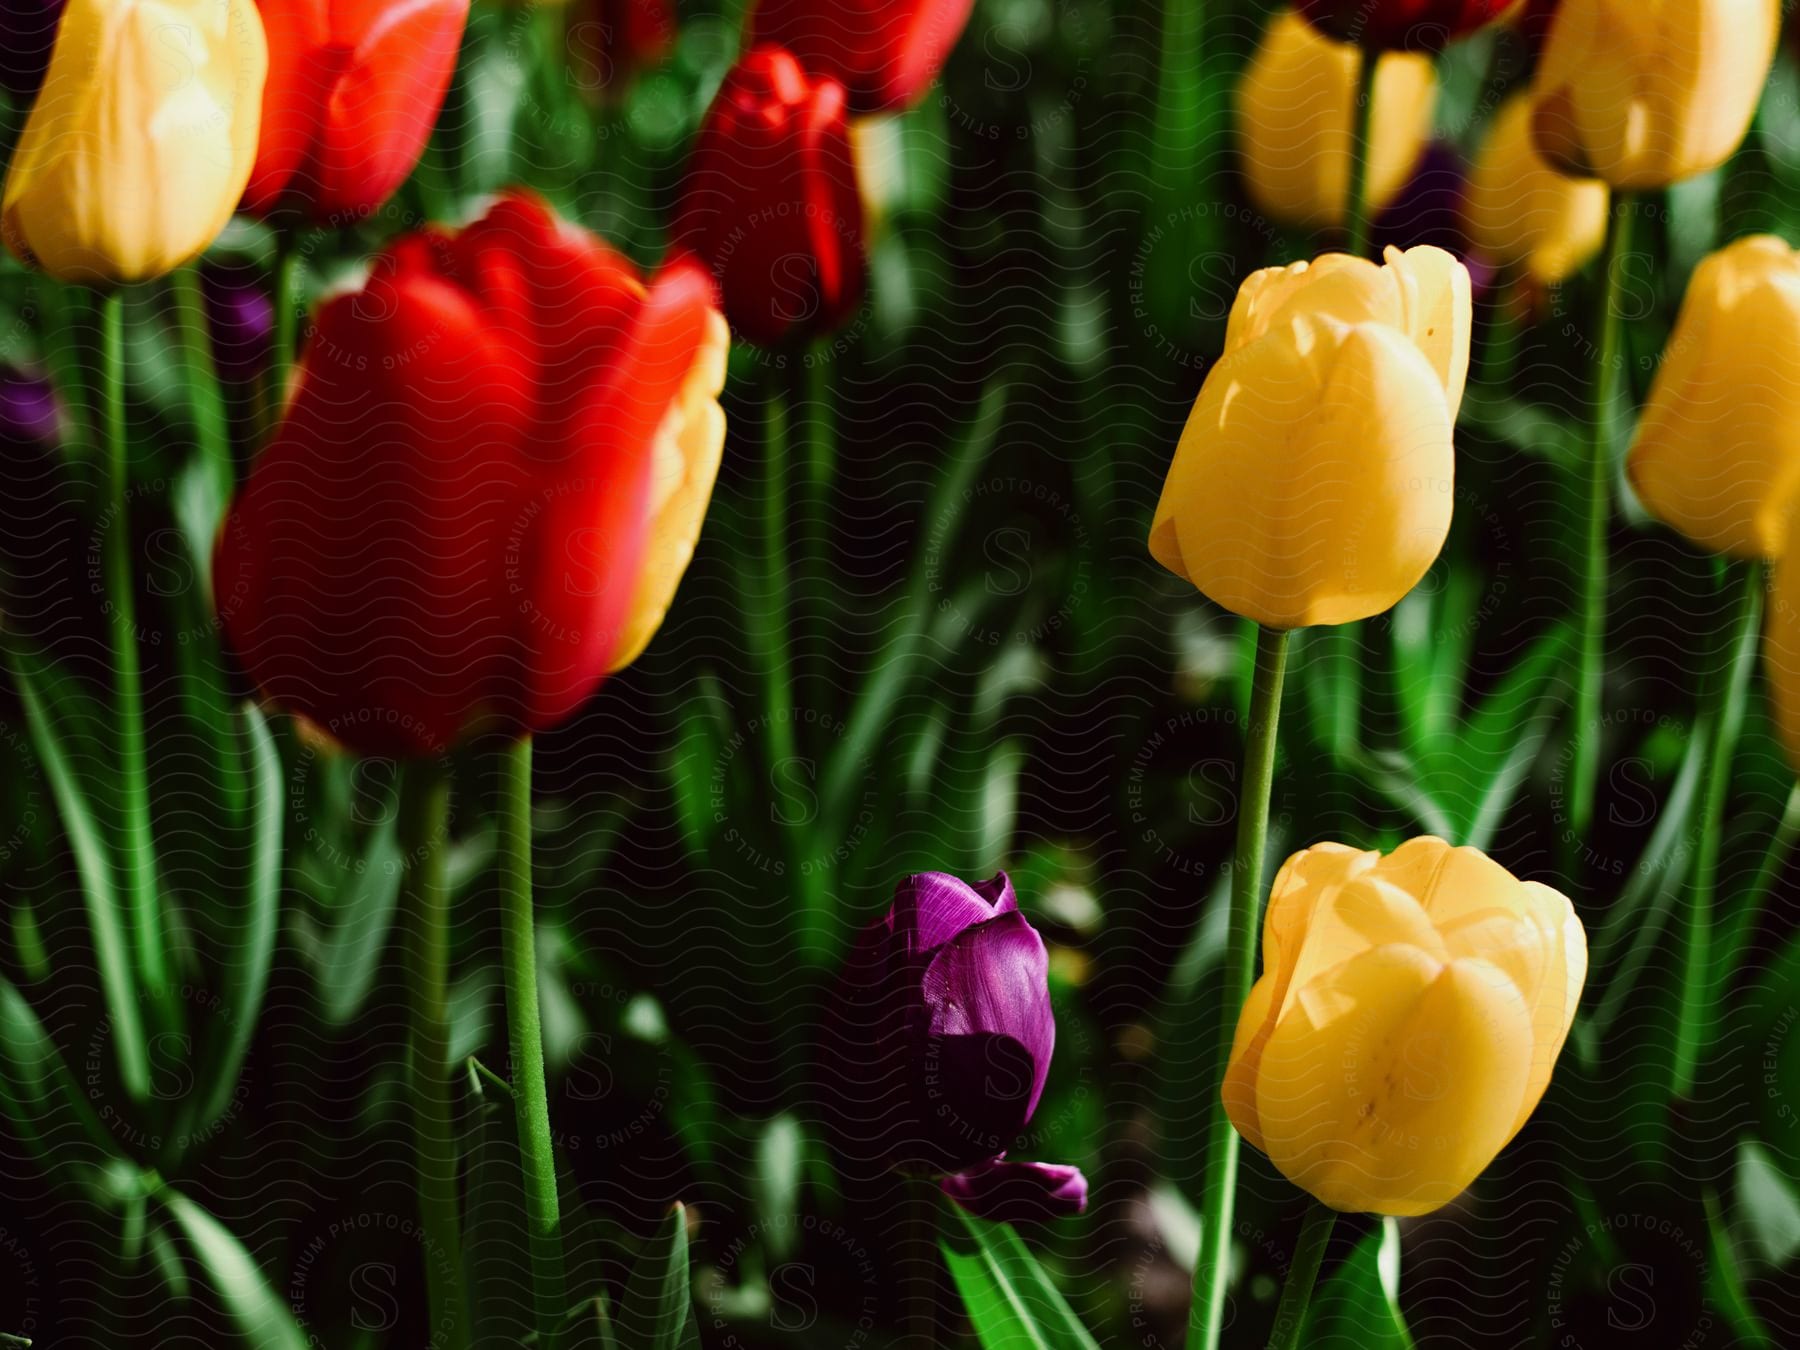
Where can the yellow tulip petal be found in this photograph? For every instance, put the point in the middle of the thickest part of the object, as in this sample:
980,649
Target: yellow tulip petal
1717,453
688,450
1394,1081
1521,212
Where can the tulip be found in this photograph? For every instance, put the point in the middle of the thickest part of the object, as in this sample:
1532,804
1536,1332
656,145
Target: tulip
1409,1014
610,41
241,319
140,141
1645,93
1409,25
1717,453
30,29
1532,19
352,96
770,201
1521,213
28,410
1781,649
485,489
885,53
941,1043
1312,484
1295,121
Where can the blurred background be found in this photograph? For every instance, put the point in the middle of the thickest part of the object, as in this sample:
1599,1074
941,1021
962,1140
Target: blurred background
984,670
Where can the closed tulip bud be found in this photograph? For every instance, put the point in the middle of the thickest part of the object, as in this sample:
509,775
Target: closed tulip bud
1409,1014
940,1042
30,30
485,489
352,96
1521,213
29,414
1409,25
1717,453
1296,117
140,141
885,53
770,201
1645,93
1313,481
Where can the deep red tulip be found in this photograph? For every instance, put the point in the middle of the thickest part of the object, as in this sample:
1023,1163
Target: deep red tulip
484,488
885,52
770,201
1409,25
354,88
610,41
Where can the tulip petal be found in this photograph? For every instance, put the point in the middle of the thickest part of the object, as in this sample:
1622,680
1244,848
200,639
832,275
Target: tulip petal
1395,1080
1019,1192
932,908
985,987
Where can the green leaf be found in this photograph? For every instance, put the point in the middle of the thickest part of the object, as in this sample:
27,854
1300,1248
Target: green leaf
349,950
1012,1303
1770,1204
246,967
1359,1305
590,1327
1725,1281
654,1308
261,1318
779,1154
43,1100
94,864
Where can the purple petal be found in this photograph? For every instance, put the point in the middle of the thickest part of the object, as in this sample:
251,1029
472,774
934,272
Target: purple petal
1019,1192
992,982
28,409
931,908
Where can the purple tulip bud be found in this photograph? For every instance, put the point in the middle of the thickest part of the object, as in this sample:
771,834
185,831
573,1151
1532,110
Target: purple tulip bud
242,318
28,409
1019,1192
27,33
1429,211
943,1033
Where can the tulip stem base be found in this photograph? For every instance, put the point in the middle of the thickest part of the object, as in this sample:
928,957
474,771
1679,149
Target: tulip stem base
1219,1199
1729,677
137,849
531,1096
1598,501
424,830
1303,1273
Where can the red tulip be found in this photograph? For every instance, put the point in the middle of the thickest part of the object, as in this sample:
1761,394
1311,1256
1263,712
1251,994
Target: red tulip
354,88
484,489
885,52
1411,25
610,41
770,201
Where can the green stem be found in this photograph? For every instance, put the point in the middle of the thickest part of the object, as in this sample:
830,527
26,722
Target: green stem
424,829
212,428
1730,681
290,272
525,1036
136,844
918,1316
1362,115
1290,1314
1590,676
1500,347
1220,1197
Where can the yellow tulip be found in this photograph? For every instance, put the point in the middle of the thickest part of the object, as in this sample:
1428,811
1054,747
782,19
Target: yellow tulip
1409,1014
1295,120
1520,212
139,145
1717,453
1313,481
1781,649
687,452
1645,93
